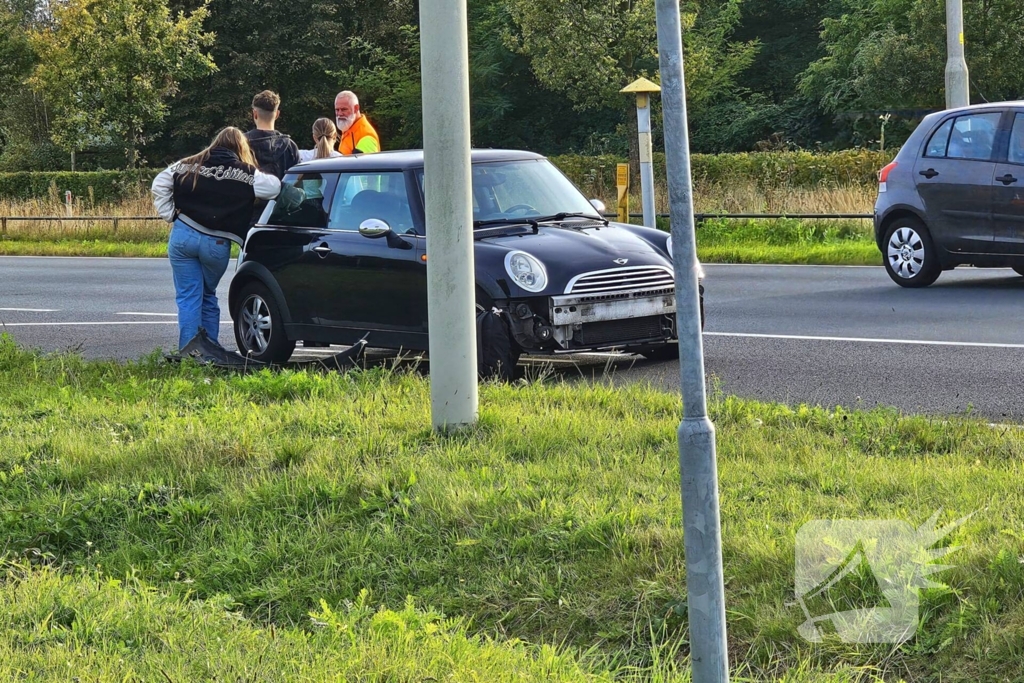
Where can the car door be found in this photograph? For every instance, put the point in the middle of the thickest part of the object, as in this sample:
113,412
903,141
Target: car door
954,180
369,283
1008,193
296,224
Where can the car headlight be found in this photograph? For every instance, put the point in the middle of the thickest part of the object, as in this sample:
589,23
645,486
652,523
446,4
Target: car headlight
668,248
526,271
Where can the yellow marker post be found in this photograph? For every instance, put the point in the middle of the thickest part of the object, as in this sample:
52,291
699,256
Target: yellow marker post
643,89
622,184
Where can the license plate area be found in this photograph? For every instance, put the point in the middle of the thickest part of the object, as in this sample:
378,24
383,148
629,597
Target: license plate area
572,310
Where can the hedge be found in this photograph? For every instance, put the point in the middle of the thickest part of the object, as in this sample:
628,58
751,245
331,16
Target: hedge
765,169
106,185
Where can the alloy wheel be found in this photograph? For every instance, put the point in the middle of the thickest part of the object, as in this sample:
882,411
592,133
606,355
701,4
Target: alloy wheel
256,324
906,252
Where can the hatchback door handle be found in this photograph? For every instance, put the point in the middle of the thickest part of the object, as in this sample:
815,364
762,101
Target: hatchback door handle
930,173
1007,179
322,250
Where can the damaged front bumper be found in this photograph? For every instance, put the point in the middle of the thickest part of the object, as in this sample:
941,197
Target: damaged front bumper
594,321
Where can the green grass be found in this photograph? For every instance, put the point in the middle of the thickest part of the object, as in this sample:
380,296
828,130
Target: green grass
65,247
784,241
174,519
787,241
95,247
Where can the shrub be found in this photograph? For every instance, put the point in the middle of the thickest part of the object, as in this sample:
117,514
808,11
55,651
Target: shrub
764,169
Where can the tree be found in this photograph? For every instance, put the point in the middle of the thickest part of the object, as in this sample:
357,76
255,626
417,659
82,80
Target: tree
108,67
891,54
590,49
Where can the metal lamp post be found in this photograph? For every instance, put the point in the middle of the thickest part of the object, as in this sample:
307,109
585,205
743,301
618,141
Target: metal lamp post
643,89
702,532
447,182
957,77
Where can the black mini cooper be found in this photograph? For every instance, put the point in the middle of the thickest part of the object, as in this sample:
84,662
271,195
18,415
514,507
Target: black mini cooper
342,253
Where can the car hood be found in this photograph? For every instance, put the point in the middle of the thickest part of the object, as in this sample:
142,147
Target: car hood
568,252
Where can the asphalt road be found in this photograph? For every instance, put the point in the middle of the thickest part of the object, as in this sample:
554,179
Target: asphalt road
798,334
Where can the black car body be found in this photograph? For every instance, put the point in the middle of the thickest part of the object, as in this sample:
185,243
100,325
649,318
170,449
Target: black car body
954,195
342,253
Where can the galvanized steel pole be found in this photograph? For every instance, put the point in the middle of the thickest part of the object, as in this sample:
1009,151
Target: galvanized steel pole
451,288
697,459
957,76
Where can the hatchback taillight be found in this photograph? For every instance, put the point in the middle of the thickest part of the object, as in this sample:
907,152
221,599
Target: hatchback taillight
884,173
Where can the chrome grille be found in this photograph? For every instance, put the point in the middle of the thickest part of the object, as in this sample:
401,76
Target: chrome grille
621,279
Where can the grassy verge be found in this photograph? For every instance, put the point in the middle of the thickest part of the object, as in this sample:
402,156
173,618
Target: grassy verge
95,247
787,241
176,519
70,247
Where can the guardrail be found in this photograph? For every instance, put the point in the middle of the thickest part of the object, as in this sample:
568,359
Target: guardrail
114,219
698,218
701,217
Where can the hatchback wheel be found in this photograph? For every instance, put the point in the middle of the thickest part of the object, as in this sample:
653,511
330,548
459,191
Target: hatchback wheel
909,254
259,330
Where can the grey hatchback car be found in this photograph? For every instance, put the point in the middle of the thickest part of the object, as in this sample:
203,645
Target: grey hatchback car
954,195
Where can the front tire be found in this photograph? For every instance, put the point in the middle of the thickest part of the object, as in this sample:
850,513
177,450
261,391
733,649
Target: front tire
666,352
909,254
259,328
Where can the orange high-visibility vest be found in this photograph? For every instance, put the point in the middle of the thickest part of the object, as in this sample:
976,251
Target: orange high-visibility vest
360,138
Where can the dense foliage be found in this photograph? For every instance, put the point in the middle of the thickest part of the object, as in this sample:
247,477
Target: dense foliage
111,79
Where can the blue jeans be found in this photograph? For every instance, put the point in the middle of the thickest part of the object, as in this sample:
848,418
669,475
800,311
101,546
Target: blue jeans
198,263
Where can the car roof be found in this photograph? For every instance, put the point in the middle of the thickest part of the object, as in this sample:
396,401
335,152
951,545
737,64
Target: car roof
985,105
403,159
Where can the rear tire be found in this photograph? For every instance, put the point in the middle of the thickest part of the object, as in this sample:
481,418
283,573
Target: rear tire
909,254
259,328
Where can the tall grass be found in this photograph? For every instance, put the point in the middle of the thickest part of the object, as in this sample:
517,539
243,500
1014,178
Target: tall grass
77,230
154,516
785,241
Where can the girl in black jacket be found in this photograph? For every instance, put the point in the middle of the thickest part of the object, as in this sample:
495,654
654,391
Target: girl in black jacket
208,198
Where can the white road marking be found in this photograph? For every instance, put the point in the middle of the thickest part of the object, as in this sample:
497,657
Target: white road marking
141,313
108,322
867,340
31,310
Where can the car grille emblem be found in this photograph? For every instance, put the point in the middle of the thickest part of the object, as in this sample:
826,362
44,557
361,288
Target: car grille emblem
621,261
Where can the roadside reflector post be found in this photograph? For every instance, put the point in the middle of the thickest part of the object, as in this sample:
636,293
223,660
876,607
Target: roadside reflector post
702,533
67,202
447,189
622,185
643,89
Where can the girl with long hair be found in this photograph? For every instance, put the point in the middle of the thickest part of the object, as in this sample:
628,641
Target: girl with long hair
208,198
325,139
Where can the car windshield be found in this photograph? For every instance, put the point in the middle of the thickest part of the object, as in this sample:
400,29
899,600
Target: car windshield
520,190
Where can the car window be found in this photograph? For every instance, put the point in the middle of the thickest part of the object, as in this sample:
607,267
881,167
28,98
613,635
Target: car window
301,202
940,138
1016,154
381,195
523,188
973,136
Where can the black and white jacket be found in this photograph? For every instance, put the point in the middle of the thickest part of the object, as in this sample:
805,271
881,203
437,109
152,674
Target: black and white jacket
221,203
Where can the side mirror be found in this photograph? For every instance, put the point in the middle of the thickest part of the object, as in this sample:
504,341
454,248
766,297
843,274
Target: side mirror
599,205
374,228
